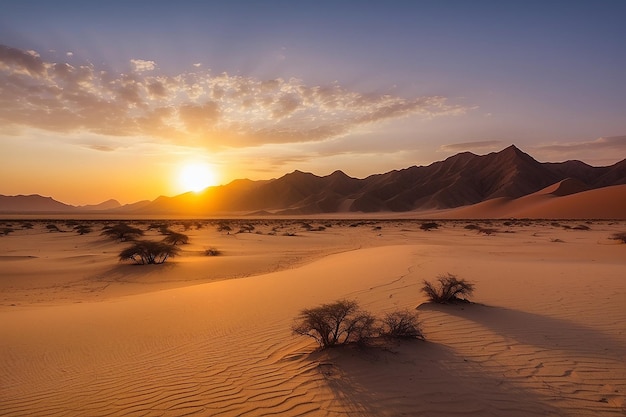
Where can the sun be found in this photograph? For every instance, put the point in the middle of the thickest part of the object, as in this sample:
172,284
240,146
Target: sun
196,176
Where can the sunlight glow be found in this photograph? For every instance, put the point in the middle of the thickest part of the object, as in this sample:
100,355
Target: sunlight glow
196,176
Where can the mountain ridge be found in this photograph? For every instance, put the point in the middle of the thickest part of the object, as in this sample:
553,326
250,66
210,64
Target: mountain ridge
460,180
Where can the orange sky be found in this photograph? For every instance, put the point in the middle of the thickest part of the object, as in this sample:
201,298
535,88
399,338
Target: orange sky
97,101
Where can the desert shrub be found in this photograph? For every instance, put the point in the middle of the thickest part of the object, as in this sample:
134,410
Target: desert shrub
82,229
401,324
487,230
335,324
144,252
174,238
27,225
212,252
224,227
581,227
429,226
619,236
52,228
449,290
472,227
122,232
6,230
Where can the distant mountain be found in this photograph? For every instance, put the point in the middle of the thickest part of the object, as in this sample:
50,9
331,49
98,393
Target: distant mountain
106,205
33,203
460,180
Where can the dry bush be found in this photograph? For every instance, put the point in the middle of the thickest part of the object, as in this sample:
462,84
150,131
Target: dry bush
449,290
6,230
122,232
336,323
144,252
82,229
619,236
212,252
401,325
175,238
429,226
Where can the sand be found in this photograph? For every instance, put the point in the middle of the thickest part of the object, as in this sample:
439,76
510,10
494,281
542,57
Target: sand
83,334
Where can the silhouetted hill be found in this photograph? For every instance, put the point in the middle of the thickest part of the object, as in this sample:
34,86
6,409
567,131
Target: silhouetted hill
33,203
460,180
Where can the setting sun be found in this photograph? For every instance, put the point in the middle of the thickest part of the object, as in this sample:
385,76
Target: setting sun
196,177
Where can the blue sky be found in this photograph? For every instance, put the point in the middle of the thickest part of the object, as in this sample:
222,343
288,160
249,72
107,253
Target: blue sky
258,89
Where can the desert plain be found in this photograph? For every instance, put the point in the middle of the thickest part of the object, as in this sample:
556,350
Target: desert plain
82,333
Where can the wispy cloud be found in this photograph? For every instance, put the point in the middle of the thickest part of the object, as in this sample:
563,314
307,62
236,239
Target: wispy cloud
601,151
139,65
472,146
193,108
617,143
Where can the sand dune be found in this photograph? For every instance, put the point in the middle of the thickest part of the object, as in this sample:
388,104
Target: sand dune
546,337
559,201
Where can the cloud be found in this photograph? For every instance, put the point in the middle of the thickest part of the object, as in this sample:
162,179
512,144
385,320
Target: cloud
196,108
601,151
617,143
139,65
102,148
469,146
69,53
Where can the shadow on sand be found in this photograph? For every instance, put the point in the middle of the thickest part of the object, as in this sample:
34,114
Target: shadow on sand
421,379
536,330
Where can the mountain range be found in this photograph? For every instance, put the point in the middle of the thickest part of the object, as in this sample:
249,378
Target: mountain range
461,180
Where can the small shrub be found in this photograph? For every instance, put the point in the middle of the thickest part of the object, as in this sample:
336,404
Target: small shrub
82,230
27,225
335,324
6,230
487,230
122,232
174,238
471,227
450,289
212,252
224,227
619,236
144,252
52,228
429,226
401,325
581,227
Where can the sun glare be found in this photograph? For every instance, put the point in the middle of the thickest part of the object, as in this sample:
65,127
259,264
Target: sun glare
196,177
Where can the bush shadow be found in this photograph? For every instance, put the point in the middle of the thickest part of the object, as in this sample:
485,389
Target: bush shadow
534,329
421,378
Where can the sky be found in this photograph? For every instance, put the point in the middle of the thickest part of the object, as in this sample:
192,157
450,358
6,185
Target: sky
114,99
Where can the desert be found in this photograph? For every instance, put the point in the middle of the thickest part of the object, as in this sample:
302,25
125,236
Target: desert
83,333
312,208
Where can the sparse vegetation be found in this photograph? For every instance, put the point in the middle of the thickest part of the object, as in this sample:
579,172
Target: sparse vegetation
82,229
144,252
122,232
52,228
335,324
429,226
175,238
6,230
212,252
581,227
619,236
450,289
401,324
